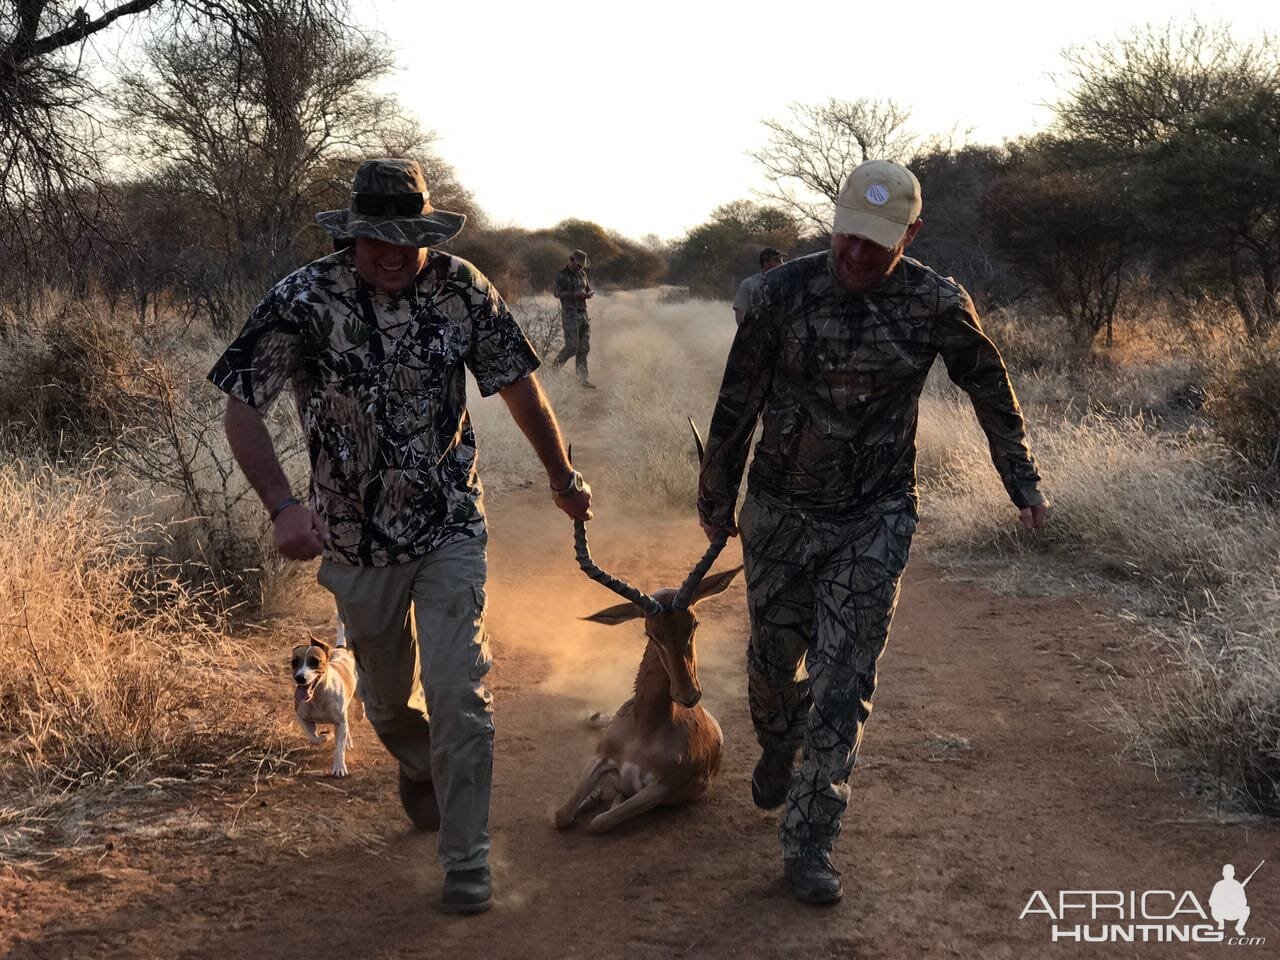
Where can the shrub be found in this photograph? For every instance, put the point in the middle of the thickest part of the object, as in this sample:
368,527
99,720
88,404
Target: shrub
114,672
1244,403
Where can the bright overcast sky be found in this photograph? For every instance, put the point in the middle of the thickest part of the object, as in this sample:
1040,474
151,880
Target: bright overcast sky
638,115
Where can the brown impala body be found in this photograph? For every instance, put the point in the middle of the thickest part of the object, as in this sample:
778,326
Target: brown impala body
661,748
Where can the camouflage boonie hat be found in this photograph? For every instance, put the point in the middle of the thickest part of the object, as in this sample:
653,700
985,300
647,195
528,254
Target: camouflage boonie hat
390,201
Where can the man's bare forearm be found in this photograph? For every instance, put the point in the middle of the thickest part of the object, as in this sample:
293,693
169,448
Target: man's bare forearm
253,449
537,421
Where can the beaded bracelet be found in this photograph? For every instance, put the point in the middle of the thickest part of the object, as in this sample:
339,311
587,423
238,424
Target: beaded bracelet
284,505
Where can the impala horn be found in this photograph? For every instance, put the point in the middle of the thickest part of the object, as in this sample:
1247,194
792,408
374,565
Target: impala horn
641,599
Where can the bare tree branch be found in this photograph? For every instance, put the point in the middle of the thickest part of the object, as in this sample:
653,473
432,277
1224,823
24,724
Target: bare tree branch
79,29
809,156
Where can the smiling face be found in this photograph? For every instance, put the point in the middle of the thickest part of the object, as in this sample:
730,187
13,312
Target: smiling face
308,664
862,265
387,267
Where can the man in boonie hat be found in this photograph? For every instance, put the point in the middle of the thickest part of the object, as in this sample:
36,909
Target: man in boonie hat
833,353
573,289
375,340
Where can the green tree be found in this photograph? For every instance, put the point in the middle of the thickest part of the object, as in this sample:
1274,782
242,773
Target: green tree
249,126
1070,228
1185,114
53,176
712,258
591,237
1141,90
956,238
1214,186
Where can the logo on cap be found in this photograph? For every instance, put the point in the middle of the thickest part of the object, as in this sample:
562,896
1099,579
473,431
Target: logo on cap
877,194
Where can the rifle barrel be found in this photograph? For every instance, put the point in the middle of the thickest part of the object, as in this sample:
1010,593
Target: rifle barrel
1250,876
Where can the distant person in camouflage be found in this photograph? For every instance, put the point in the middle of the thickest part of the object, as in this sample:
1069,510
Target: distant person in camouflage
375,339
770,257
832,354
573,289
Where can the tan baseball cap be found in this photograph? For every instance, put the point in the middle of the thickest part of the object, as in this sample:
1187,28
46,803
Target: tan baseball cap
580,257
878,202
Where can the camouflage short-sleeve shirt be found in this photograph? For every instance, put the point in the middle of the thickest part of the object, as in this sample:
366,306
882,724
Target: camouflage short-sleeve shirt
836,379
381,390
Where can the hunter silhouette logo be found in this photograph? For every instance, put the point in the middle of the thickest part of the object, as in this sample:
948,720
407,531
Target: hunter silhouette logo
1148,916
1228,900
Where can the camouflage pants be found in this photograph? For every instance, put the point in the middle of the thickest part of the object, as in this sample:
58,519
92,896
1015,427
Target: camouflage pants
822,591
577,342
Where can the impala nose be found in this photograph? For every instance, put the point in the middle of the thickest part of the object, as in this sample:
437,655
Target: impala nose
691,700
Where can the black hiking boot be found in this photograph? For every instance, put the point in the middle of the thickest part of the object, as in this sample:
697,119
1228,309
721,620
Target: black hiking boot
813,879
418,797
771,779
467,891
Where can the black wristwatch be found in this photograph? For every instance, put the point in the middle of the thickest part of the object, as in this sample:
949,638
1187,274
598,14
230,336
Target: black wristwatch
575,485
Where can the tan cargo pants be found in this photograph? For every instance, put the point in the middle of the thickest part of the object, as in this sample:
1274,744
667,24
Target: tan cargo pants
417,632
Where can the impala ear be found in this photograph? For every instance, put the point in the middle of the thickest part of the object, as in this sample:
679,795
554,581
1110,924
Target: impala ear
713,585
616,615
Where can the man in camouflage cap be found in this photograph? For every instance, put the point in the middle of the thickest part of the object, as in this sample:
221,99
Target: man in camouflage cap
375,340
832,354
573,289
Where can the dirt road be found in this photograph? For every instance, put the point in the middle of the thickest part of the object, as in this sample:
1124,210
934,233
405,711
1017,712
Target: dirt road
988,772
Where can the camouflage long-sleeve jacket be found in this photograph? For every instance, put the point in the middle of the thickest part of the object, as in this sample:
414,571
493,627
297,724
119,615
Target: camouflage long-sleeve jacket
381,389
837,378
567,283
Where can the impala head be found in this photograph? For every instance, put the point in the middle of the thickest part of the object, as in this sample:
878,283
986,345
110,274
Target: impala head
669,621
670,630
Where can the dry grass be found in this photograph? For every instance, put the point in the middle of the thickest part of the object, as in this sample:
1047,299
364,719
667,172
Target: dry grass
82,381
114,675
655,362
1151,508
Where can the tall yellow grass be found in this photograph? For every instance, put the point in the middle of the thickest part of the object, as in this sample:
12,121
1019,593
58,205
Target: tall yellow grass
113,674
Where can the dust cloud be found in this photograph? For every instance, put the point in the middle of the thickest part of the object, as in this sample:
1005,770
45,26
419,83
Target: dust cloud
655,361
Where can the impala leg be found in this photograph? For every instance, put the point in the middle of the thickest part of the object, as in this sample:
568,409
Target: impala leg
648,798
595,772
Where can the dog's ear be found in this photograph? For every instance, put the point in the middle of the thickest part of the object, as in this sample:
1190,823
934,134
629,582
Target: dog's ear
317,642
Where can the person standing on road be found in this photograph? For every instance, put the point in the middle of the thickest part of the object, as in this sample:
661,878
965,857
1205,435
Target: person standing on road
573,289
832,354
770,257
375,340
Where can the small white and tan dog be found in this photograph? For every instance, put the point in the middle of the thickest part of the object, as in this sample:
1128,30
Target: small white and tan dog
324,680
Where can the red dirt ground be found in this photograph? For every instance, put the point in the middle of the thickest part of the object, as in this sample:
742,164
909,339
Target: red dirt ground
989,771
